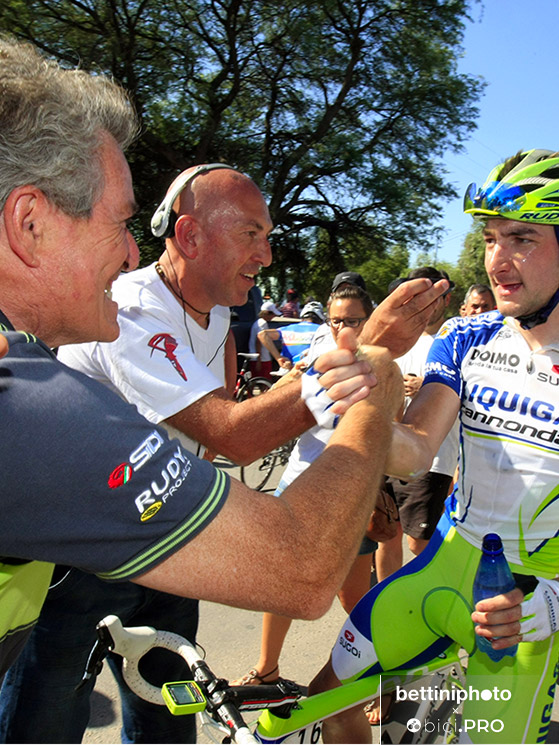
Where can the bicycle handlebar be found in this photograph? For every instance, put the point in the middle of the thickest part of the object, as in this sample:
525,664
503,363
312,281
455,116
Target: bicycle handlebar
223,702
133,643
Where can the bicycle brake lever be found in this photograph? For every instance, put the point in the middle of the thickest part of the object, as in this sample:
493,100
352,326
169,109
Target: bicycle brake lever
99,651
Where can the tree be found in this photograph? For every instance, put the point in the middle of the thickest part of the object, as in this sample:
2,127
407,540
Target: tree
340,110
471,268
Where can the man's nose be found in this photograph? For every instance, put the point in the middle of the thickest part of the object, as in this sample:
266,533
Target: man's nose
133,258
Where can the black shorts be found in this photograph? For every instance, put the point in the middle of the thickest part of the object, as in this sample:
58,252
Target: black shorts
421,502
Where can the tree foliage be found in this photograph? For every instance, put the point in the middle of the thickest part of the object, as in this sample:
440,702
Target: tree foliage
340,111
471,268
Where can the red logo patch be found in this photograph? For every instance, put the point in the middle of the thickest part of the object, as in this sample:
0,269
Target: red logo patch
167,344
121,475
555,369
349,636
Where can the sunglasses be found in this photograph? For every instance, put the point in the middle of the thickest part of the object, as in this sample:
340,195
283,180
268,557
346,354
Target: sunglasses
497,196
351,323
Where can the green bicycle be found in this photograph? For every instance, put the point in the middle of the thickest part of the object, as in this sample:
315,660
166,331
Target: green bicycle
286,715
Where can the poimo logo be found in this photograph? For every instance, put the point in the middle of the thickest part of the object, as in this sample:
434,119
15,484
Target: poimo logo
349,636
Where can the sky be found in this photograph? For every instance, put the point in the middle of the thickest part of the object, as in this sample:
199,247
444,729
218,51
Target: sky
514,46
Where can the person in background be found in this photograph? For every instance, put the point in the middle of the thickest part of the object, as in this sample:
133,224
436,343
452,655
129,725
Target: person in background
348,307
420,502
295,338
291,307
478,299
263,365
323,334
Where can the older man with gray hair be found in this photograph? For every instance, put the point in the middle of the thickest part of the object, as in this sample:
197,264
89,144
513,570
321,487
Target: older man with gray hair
82,470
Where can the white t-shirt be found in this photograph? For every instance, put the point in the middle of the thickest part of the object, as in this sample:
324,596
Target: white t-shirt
413,362
163,361
259,325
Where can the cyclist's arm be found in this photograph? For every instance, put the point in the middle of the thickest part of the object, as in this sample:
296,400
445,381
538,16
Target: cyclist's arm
245,431
417,439
3,345
287,554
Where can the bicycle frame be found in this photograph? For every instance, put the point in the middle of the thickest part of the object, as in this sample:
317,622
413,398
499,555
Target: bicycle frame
298,719
304,723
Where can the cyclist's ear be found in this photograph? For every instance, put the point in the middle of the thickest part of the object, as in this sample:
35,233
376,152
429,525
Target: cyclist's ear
347,339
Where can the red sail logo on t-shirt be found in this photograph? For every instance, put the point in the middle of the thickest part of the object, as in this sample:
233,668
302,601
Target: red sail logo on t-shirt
167,344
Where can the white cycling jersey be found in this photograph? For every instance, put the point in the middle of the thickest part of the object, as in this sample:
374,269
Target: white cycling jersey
509,437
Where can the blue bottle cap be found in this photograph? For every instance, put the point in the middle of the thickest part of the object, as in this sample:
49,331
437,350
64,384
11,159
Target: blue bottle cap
492,544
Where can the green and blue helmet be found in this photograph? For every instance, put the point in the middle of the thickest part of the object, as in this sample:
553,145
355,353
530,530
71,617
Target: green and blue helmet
523,188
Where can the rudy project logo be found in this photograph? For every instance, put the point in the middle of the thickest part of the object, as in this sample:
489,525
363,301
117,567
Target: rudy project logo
170,479
167,344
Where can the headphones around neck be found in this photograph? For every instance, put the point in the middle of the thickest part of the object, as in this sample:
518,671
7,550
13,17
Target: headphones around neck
164,218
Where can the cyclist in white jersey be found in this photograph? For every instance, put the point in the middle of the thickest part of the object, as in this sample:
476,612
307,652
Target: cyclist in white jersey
500,372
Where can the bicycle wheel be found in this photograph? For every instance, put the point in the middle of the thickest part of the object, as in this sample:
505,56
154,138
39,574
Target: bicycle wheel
257,474
253,387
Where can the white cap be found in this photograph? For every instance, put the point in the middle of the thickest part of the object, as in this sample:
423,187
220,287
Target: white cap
269,306
313,307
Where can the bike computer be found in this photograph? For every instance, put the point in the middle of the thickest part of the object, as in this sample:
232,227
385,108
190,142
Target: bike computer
183,697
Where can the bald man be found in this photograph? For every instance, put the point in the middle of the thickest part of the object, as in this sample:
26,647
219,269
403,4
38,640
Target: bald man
169,361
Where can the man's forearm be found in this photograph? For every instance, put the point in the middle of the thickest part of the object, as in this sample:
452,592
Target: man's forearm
410,456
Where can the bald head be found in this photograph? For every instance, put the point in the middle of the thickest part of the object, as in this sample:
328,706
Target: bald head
218,240
216,193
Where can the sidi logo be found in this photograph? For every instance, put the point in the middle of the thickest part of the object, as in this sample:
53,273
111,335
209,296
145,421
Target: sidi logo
138,457
146,450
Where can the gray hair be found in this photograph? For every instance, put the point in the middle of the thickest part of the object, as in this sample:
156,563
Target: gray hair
52,124
480,289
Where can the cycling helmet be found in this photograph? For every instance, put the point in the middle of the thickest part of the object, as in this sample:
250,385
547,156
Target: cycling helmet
528,192
313,308
523,188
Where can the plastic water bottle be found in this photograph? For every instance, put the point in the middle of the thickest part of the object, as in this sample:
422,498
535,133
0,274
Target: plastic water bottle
493,577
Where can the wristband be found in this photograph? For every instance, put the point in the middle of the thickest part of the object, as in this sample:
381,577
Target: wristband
540,613
525,582
317,399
